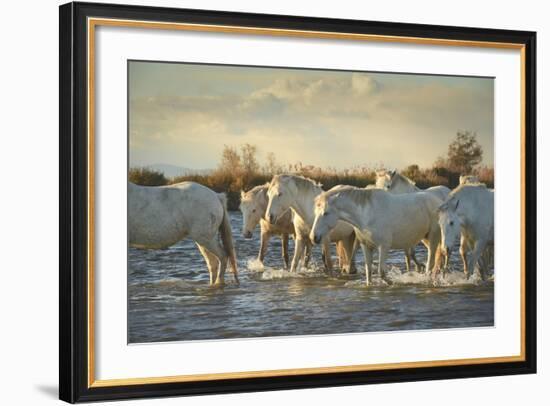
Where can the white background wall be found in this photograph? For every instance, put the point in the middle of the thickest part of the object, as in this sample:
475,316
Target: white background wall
29,188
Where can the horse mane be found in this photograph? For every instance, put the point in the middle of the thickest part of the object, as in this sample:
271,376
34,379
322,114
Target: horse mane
249,195
300,181
466,187
404,178
359,196
459,192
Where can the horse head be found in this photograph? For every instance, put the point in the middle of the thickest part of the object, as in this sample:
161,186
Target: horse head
280,197
253,206
384,178
326,217
449,222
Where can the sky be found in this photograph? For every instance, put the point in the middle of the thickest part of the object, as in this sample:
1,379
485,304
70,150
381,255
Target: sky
184,114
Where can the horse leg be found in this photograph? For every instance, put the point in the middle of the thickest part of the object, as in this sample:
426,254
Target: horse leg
354,245
482,266
216,249
442,258
417,264
433,243
264,240
382,256
408,259
486,259
438,261
298,253
211,263
307,257
348,247
340,254
463,250
479,246
430,262
367,252
284,244
326,255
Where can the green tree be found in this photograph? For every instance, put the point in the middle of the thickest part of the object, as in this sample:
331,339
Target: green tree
464,152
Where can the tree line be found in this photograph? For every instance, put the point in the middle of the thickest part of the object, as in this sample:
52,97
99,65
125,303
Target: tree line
239,169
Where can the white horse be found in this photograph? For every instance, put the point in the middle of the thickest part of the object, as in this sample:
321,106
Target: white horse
469,212
298,194
253,207
468,179
381,221
159,217
409,254
396,183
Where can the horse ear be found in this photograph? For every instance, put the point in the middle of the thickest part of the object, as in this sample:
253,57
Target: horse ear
392,172
242,194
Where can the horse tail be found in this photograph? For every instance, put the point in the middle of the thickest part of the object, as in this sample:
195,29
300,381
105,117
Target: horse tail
227,237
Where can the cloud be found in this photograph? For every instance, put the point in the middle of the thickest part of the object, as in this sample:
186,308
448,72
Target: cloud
363,84
324,118
325,95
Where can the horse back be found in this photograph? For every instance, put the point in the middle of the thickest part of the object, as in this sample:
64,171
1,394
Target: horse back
161,216
439,191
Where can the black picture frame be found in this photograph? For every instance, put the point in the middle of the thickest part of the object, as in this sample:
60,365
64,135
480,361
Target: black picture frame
73,257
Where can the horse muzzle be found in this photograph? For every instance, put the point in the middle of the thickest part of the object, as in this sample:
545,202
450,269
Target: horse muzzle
247,234
315,238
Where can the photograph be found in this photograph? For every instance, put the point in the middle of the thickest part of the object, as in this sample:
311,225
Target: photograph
290,201
256,201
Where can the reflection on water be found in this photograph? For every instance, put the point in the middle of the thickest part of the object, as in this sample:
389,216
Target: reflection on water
170,299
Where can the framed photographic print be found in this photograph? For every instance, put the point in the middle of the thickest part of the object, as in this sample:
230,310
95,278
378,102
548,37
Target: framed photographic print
256,202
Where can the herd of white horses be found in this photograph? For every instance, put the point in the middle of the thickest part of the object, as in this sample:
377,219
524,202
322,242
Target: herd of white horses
392,214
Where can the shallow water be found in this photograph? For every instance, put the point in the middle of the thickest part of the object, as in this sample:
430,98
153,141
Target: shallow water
170,298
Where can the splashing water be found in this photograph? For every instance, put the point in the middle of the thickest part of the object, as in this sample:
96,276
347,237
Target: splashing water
170,299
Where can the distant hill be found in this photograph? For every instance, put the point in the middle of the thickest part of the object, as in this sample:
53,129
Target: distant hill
171,171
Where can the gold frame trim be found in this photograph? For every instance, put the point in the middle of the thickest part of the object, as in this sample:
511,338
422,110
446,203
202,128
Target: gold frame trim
94,22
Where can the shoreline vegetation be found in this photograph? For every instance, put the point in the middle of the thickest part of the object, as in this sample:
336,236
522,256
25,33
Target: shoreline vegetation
240,169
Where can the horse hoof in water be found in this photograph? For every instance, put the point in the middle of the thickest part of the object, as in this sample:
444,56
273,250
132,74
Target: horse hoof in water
387,281
349,271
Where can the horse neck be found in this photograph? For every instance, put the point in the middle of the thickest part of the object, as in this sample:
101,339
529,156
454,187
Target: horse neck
351,213
304,204
466,210
402,185
262,199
